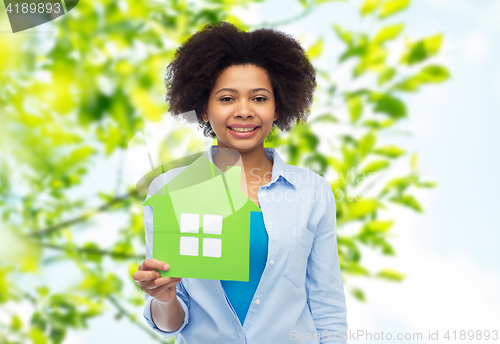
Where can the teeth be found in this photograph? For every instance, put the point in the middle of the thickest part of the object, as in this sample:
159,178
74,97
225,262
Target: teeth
243,130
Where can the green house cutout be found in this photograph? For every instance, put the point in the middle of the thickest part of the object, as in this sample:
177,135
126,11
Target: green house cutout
201,223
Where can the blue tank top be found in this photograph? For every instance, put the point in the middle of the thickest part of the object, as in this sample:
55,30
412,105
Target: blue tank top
240,294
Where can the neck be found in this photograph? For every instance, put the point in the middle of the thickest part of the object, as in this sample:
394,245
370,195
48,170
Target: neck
255,163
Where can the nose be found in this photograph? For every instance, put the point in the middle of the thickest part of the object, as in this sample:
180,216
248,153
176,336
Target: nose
243,109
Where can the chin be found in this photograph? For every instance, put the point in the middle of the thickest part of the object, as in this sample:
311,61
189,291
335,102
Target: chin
245,146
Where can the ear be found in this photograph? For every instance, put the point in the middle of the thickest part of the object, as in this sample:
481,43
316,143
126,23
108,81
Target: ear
204,114
276,115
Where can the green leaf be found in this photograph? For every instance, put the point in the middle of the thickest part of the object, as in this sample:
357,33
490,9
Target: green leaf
37,336
57,334
428,74
354,268
408,201
318,2
349,250
4,286
355,106
388,33
345,36
391,106
325,118
43,291
422,49
391,7
316,49
414,161
372,59
400,184
358,294
386,75
77,157
387,248
123,248
389,151
360,209
369,6
101,286
374,124
16,324
434,73
391,275
376,240
366,143
375,166
92,254
303,3
378,226
427,184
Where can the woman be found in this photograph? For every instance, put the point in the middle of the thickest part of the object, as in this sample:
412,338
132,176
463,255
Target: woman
242,85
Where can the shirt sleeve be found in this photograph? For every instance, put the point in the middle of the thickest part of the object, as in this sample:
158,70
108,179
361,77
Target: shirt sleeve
182,294
325,290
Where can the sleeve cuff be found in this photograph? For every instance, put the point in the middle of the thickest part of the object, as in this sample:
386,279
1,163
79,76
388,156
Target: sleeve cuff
149,318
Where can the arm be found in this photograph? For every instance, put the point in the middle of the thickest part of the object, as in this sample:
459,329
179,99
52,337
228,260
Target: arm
325,290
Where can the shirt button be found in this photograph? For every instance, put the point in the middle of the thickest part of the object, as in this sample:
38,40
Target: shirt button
270,223
257,301
262,194
271,262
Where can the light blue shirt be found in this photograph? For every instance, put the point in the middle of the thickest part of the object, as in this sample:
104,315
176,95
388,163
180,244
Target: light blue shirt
300,296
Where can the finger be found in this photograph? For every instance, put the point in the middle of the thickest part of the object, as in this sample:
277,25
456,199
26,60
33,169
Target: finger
150,264
159,282
159,290
146,275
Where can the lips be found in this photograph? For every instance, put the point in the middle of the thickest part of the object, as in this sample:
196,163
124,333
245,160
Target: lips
246,131
244,134
242,125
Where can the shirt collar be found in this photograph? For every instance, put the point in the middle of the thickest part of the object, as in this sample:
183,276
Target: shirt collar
280,168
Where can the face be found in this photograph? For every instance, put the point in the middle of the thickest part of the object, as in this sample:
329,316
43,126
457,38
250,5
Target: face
242,96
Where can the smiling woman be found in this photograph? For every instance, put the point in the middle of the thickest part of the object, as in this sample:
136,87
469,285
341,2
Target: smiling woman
241,107
242,85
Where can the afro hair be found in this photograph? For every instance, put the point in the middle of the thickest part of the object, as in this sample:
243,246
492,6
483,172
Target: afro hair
197,63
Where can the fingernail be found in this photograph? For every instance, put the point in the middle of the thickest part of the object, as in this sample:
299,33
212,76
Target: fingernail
158,275
166,267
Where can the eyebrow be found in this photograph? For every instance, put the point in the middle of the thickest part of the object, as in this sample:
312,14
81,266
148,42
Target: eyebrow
236,91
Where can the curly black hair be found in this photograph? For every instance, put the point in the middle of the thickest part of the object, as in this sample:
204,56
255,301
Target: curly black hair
198,62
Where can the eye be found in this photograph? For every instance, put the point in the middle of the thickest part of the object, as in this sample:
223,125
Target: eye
260,101
222,99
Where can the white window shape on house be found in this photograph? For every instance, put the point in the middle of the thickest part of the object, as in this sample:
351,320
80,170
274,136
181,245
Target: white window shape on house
212,247
212,224
190,223
189,246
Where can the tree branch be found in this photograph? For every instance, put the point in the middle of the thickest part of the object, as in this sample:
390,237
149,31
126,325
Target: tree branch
83,217
133,320
92,251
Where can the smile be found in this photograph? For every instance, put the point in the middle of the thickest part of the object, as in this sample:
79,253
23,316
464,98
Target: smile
243,130
243,133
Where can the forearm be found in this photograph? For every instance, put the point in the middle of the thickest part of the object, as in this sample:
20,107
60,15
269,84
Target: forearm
168,317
